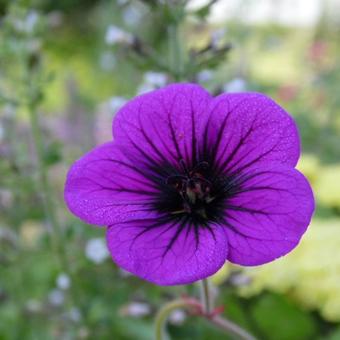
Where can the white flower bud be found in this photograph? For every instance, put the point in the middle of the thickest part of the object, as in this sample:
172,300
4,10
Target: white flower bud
115,35
236,85
63,281
96,250
56,297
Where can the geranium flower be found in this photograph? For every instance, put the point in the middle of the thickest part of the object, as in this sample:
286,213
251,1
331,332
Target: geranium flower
191,181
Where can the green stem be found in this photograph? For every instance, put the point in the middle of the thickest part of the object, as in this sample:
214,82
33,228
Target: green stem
193,305
175,51
223,324
164,313
206,297
231,328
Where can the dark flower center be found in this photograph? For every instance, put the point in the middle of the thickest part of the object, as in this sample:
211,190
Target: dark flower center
195,193
194,189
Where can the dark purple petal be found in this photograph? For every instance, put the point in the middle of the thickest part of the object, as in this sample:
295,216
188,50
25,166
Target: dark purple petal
167,252
104,187
163,125
243,130
267,214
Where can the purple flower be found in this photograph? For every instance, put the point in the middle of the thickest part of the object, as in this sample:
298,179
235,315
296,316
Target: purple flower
191,181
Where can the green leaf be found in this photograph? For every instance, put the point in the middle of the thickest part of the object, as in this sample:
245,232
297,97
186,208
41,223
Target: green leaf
278,319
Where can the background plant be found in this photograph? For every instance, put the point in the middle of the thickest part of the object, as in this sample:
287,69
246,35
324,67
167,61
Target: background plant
65,68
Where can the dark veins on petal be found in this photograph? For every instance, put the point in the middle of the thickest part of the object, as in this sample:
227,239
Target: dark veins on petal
194,192
198,189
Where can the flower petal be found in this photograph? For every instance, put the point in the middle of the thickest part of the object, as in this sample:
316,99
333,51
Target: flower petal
163,125
167,251
245,129
267,214
105,187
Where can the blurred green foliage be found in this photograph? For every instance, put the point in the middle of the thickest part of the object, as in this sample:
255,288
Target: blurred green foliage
60,55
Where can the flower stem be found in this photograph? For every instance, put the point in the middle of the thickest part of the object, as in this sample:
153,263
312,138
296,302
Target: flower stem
175,54
231,328
223,324
196,307
206,297
163,314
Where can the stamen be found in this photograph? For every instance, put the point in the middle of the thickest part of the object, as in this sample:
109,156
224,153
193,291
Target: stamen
193,188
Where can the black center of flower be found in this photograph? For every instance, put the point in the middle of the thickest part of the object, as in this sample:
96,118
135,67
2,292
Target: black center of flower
193,192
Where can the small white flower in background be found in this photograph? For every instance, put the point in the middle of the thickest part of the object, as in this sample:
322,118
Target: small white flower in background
132,16
28,24
177,317
63,281
56,297
205,76
136,309
96,250
115,103
217,37
151,81
240,279
236,85
31,21
74,314
157,79
115,35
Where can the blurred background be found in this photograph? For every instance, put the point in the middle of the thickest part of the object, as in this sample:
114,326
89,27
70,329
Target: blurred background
66,67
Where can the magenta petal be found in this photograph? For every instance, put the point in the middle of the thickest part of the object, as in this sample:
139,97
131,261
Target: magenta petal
163,124
104,187
267,215
167,252
191,181
247,129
